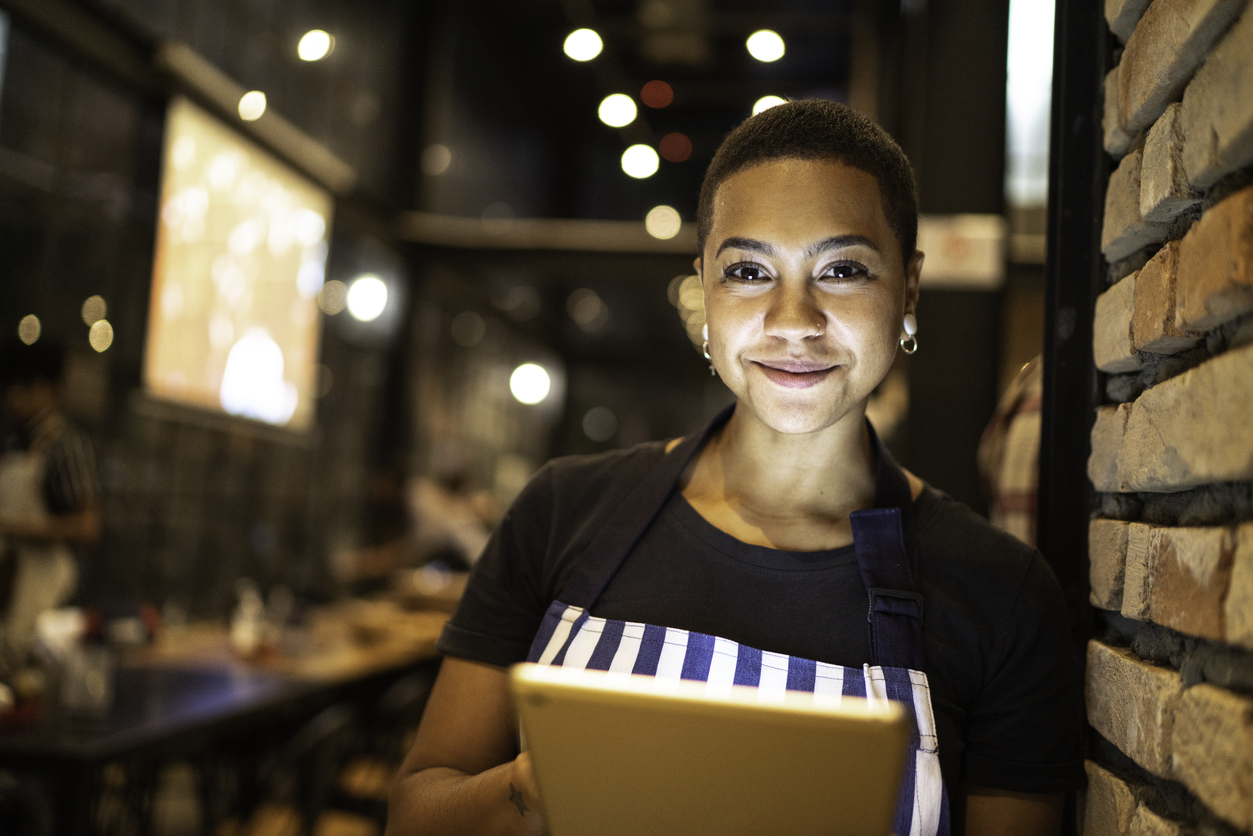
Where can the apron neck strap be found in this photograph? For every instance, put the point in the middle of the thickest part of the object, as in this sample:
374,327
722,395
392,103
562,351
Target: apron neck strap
887,560
599,562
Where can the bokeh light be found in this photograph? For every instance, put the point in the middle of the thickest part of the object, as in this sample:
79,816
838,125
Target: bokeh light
529,383
617,110
583,45
253,385
767,102
766,45
587,309
332,297
640,161
315,45
29,329
101,335
688,295
94,309
468,329
251,105
657,94
367,297
663,222
520,302
676,147
435,159
599,423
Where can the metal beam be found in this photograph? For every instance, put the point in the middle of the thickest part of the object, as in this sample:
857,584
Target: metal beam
539,234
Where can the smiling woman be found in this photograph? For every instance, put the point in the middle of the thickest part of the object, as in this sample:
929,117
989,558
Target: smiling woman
751,552
810,300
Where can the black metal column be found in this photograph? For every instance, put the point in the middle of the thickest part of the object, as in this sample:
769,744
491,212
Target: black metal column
1077,173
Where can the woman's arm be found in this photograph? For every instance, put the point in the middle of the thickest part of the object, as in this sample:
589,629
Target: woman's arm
461,776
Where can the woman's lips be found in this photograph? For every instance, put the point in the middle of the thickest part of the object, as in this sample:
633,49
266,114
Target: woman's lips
795,374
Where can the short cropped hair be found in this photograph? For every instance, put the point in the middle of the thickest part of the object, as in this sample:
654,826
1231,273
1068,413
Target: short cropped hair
24,364
816,129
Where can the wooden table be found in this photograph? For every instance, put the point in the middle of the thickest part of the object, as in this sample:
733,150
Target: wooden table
189,693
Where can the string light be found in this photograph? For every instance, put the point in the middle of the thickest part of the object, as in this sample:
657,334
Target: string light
617,110
583,45
766,102
315,45
529,383
251,105
765,45
640,161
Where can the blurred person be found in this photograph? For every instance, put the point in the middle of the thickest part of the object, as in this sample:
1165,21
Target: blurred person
783,532
446,524
1009,454
49,493
451,521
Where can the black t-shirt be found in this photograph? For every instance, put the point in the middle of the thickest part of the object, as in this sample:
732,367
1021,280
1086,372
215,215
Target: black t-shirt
1005,684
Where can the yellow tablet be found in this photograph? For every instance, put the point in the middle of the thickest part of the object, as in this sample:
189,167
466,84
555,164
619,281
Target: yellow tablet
623,755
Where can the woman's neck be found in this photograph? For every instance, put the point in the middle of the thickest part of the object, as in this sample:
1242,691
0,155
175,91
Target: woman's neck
782,490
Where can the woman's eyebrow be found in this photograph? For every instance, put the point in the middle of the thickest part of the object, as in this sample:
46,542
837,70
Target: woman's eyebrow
750,244
838,241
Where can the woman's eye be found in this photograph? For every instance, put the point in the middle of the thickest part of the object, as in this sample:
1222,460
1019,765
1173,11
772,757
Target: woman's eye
745,272
846,272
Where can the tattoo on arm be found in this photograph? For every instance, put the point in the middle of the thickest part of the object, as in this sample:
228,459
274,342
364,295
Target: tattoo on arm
516,797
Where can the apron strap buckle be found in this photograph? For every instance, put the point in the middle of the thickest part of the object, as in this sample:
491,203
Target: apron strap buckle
894,602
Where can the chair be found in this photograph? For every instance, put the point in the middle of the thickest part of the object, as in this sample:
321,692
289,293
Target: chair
363,783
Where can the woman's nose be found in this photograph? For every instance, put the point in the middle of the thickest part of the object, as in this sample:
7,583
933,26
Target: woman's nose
793,315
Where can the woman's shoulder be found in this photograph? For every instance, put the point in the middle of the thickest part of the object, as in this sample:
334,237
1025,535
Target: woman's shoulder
581,484
953,537
611,465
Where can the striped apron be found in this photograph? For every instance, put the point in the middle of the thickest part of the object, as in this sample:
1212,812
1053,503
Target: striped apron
570,636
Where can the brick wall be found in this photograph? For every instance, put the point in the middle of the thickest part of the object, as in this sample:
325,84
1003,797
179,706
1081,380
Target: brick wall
1170,674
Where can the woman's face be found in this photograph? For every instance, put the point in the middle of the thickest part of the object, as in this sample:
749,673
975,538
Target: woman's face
804,291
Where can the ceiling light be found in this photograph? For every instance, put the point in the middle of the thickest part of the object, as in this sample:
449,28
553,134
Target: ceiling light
766,102
315,45
657,93
640,161
617,110
435,159
766,45
29,328
101,335
367,297
332,297
251,105
675,147
663,222
600,424
529,383
583,45
94,309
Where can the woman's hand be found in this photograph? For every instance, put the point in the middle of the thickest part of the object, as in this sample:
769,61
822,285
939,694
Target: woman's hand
523,791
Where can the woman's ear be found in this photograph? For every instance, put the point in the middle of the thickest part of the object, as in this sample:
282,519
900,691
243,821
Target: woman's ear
696,267
913,275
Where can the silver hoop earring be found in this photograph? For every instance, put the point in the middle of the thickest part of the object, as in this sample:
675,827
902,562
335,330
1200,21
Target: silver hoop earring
909,344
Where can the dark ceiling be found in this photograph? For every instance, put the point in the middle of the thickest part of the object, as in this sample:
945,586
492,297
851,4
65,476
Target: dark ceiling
502,89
